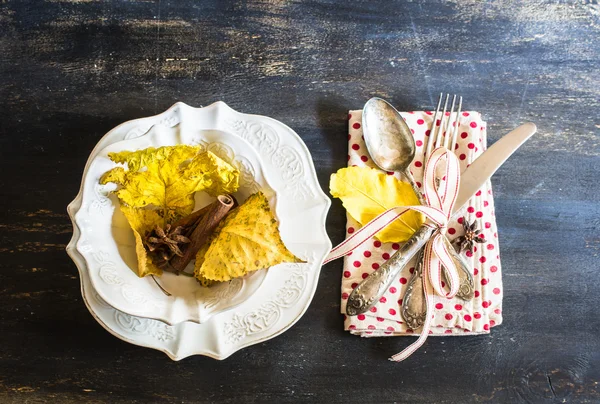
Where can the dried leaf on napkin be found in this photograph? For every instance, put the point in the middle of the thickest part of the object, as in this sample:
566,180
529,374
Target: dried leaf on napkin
167,178
366,192
245,241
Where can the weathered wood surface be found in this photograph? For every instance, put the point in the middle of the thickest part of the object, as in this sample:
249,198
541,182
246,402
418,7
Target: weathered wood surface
72,70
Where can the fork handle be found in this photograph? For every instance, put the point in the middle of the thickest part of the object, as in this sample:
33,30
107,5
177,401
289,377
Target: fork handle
370,290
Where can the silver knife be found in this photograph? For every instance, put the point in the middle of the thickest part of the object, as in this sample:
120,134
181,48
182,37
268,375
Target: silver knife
369,291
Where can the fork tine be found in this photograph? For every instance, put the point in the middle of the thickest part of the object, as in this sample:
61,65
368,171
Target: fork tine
447,136
438,141
431,140
456,124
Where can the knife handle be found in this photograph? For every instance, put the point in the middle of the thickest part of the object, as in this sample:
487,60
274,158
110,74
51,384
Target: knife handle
368,292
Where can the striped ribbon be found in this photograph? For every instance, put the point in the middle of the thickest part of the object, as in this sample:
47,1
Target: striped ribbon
441,165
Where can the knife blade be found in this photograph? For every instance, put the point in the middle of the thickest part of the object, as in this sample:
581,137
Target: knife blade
368,292
486,165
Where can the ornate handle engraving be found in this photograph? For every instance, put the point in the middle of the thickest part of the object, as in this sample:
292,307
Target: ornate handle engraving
368,292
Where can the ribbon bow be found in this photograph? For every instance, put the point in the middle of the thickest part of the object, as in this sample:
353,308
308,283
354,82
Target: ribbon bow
439,201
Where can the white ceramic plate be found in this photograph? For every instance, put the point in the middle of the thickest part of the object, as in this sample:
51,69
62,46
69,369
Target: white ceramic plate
282,298
108,245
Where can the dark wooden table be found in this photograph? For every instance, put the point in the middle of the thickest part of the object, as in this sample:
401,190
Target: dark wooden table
72,70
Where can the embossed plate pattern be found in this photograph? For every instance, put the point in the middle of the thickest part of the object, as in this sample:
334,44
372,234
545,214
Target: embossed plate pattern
284,295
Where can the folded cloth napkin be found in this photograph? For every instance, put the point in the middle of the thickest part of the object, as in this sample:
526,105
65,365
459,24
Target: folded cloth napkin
451,316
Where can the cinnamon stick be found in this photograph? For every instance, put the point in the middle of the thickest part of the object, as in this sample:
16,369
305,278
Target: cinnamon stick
206,225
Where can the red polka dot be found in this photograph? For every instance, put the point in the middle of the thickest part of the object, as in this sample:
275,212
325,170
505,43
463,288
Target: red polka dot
478,214
448,316
484,282
443,284
485,305
389,172
357,264
373,309
492,323
377,243
382,299
469,254
364,158
488,225
493,268
451,230
392,312
477,315
420,122
349,136
497,311
477,293
467,317
460,220
375,266
464,135
471,145
427,132
472,124
475,271
352,327
419,143
390,329
439,306
470,209
367,254
403,280
393,290
462,156
361,317
355,146
482,259
400,303
380,319
485,204
349,116
418,164
347,274
418,184
496,291
411,270
357,125
354,285
490,246
458,307
465,114
438,122
350,230
365,275
344,295
386,256
486,327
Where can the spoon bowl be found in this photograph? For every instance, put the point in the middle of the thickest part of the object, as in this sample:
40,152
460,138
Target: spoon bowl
388,138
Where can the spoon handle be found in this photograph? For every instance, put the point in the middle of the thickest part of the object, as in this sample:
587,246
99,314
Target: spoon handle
368,292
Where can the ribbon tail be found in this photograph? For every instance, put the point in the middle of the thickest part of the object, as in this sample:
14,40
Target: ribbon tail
409,350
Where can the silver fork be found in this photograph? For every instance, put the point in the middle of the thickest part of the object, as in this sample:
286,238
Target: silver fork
414,308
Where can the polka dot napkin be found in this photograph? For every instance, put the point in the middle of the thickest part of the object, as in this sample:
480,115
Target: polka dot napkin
451,316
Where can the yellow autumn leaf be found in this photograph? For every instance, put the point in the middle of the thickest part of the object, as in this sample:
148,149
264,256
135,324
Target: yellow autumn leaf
245,241
366,192
141,222
166,178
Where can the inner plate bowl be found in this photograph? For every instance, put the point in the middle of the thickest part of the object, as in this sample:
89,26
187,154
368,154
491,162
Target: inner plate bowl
108,245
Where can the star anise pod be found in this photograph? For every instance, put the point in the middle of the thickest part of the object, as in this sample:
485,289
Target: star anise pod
165,243
466,241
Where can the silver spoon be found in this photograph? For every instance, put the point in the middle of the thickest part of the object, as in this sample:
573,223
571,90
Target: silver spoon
391,146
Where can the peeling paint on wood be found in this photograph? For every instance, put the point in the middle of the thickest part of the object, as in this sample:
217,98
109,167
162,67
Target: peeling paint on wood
73,69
